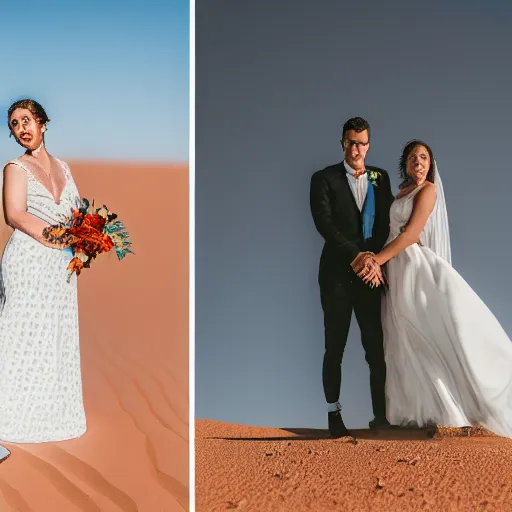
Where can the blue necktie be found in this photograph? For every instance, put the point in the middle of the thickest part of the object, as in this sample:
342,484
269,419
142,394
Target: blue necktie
369,212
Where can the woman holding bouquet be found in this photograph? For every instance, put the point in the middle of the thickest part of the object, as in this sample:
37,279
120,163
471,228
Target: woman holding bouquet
40,377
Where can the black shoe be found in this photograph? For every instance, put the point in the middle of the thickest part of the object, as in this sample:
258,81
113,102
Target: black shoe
336,426
379,422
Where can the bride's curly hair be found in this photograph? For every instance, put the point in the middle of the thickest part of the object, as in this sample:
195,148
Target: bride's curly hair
31,105
402,163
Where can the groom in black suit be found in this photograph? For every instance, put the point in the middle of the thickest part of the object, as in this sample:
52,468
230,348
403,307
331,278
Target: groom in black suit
352,219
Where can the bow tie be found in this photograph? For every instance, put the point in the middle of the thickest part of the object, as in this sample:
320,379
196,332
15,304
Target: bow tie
358,174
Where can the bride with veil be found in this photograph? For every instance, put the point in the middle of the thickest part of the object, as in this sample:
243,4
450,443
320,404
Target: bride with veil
449,361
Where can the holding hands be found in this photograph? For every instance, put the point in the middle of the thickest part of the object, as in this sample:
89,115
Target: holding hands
367,268
367,265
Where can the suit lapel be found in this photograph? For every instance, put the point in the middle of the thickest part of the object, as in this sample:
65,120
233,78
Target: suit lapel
376,193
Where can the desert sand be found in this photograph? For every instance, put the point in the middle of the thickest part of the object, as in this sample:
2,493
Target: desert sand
134,345
292,470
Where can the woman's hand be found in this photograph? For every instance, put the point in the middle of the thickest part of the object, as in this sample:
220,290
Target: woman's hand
371,272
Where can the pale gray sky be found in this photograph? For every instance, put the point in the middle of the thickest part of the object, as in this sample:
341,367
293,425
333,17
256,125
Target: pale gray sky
274,85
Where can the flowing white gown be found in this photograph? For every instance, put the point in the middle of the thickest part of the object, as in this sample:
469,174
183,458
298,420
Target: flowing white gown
448,359
40,374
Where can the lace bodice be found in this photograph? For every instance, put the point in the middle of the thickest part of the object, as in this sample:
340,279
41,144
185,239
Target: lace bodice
40,201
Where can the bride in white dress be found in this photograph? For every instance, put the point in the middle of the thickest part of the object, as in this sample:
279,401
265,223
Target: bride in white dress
40,375
449,361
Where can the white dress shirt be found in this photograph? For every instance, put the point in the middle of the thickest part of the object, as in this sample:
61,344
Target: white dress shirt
358,186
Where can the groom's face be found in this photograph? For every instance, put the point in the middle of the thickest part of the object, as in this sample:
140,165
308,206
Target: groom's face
355,147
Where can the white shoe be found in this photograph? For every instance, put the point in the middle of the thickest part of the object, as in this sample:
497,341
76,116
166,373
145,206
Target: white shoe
4,453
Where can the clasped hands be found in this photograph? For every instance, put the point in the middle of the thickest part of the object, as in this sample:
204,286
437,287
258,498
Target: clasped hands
365,266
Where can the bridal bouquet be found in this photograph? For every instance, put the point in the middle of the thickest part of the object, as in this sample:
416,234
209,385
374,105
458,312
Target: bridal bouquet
88,232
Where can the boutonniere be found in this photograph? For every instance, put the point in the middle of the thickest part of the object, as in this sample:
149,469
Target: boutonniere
373,176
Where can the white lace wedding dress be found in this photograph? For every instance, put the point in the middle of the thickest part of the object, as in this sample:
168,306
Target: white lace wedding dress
448,359
40,375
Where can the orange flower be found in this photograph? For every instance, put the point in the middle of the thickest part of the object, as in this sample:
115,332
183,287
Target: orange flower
90,240
75,265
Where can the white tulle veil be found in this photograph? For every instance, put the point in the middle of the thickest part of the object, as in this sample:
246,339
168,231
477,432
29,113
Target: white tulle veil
436,234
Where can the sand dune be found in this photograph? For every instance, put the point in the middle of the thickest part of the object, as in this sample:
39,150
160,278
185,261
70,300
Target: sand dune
134,344
260,469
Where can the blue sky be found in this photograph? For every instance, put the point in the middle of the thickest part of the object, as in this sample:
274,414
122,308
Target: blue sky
112,76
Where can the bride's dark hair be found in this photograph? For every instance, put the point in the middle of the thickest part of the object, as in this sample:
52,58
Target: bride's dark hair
31,105
402,163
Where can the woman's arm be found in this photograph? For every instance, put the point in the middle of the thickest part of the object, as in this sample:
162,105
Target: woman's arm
15,201
424,203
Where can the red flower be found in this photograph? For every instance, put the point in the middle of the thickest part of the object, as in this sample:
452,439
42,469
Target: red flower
94,221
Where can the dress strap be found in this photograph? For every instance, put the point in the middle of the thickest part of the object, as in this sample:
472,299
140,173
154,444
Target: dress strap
17,162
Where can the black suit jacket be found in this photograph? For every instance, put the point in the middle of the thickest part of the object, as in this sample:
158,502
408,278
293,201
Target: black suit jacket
338,219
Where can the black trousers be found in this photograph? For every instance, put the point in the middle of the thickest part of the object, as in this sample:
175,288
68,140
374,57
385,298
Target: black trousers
338,301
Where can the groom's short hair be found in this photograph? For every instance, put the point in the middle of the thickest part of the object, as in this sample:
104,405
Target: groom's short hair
357,124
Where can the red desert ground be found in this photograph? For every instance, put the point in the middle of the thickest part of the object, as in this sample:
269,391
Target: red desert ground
134,346
262,469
